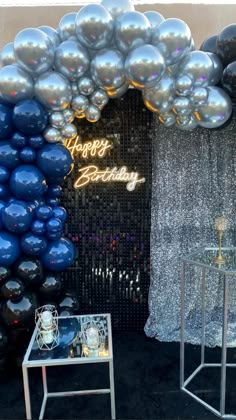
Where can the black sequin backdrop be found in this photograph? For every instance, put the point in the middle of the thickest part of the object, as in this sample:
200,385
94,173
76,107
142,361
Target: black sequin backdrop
109,225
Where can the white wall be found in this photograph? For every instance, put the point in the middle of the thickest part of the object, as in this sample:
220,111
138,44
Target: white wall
203,19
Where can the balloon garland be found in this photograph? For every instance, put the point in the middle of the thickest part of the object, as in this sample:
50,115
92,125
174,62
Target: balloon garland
50,77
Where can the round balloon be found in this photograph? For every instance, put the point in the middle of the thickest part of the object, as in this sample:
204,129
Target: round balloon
12,289
229,79
154,18
209,45
162,93
60,213
27,182
86,86
27,155
144,66
92,113
132,29
69,301
107,69
217,110
94,26
36,141
17,216
9,156
4,174
38,227
71,59
3,340
30,117
6,123
54,191
44,212
66,27
54,225
53,90
18,140
5,272
54,159
226,44
34,50
173,38
20,313
30,270
199,66
99,98
15,84
52,34
9,249
59,255
32,244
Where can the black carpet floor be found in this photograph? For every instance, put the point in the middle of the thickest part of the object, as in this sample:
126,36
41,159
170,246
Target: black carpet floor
146,385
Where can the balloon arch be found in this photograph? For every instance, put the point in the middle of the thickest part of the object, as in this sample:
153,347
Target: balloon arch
50,77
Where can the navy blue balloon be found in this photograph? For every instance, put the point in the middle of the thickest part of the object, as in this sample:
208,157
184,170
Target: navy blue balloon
4,174
36,142
12,289
38,227
17,216
53,202
59,255
54,160
27,182
18,140
52,179
54,225
54,236
20,313
6,123
32,244
60,213
2,205
9,249
36,203
44,212
4,192
30,270
54,191
30,117
27,155
9,156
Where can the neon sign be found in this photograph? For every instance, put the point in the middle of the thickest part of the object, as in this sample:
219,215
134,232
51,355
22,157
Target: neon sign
94,148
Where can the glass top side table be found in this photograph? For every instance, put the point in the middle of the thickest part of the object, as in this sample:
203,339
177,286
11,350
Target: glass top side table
72,350
205,258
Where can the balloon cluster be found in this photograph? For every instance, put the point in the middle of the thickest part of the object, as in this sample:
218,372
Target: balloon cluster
95,54
224,46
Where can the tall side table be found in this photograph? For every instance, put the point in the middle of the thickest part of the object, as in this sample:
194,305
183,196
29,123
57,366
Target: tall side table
204,258
69,353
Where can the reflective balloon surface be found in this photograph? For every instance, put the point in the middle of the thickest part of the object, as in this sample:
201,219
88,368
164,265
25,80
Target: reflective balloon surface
56,158
59,255
34,50
9,156
209,45
27,182
53,90
13,288
71,59
92,113
17,216
117,8
94,26
229,79
226,44
99,98
52,34
107,69
15,84
30,117
9,249
6,123
7,55
32,244
69,301
20,313
30,270
66,27
161,95
154,18
199,66
86,86
51,285
132,29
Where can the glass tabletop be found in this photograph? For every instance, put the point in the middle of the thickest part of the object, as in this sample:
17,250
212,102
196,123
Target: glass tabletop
74,340
205,257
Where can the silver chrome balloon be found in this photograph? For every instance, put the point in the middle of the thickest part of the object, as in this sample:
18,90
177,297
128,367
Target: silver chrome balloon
57,119
132,29
173,39
53,90
52,135
182,106
188,125
52,34
7,55
117,93
79,115
86,86
217,110
71,59
154,18
34,50
117,7
68,115
74,89
99,98
107,69
80,103
199,97
184,85
182,120
167,119
144,66
160,97
66,27
69,131
92,113
15,84
218,69
94,26
199,66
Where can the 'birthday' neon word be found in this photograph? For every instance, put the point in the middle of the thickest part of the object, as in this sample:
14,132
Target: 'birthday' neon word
94,148
92,173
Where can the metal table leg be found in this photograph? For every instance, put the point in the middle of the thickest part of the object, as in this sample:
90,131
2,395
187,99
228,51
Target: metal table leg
112,389
203,316
26,392
224,348
182,327
45,392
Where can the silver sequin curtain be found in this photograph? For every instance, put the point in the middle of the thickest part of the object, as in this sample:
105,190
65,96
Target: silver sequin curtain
193,183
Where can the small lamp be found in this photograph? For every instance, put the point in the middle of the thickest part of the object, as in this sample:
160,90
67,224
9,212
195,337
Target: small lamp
220,227
46,319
